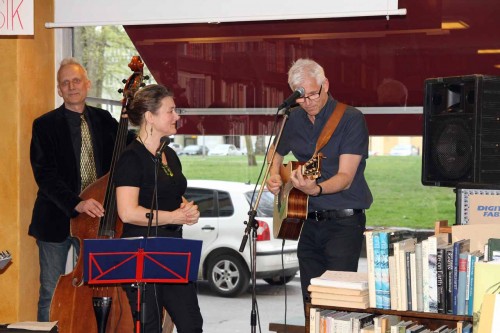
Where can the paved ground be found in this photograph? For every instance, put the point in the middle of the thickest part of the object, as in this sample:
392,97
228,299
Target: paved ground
232,315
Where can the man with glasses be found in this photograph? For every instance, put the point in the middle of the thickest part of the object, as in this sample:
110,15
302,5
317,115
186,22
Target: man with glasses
57,153
332,235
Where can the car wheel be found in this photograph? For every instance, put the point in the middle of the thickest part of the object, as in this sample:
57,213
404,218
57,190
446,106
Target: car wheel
228,275
279,280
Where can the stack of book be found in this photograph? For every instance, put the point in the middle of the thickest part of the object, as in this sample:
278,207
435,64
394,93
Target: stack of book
342,289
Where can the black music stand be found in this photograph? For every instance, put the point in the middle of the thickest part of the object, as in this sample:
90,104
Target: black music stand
140,261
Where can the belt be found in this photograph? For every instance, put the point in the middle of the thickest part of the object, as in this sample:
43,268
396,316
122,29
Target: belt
321,215
171,227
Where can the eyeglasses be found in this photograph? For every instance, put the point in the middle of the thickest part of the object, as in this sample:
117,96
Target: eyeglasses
311,97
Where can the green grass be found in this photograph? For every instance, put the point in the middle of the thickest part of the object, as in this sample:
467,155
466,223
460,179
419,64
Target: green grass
400,200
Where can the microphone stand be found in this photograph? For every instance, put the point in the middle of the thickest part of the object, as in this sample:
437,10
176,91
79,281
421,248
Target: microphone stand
154,199
252,226
141,286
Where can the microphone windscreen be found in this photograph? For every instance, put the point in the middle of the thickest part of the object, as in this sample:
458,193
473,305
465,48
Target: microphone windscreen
165,140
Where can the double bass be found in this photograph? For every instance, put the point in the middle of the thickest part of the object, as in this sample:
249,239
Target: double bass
75,304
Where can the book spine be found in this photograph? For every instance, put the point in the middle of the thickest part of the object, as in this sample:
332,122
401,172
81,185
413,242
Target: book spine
474,260
449,280
425,275
401,271
413,274
384,266
370,262
467,282
419,277
431,258
456,254
378,270
493,248
313,312
409,303
458,248
440,280
433,302
393,283
462,277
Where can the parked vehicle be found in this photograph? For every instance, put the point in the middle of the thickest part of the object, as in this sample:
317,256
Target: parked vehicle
194,150
224,207
176,147
404,149
225,150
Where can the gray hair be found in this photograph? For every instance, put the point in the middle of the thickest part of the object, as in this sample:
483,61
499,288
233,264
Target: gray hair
303,69
71,61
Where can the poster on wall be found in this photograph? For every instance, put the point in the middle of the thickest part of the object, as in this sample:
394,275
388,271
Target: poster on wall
16,17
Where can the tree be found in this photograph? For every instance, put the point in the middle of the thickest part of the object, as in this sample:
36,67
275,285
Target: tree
105,52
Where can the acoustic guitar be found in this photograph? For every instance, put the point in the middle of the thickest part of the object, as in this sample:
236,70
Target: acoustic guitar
290,204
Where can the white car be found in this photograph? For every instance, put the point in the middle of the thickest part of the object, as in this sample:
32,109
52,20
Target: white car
176,147
404,149
224,207
225,150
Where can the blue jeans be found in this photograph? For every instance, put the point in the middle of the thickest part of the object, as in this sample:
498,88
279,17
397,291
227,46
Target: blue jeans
52,258
333,244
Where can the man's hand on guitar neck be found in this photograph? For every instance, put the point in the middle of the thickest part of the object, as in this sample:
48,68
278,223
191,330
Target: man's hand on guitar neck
305,184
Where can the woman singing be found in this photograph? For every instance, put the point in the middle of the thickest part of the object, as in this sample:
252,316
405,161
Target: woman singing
153,110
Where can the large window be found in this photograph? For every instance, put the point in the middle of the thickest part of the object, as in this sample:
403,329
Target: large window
230,77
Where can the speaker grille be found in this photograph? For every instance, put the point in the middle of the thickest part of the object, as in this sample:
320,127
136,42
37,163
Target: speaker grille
453,156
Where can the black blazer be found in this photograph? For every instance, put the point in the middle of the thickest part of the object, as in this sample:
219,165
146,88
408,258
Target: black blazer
57,173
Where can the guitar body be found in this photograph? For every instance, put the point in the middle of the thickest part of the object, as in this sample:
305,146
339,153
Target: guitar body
290,206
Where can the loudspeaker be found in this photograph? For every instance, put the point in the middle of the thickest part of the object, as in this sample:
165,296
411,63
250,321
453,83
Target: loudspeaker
461,138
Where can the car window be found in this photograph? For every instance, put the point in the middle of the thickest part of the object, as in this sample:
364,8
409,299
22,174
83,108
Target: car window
266,203
226,207
204,199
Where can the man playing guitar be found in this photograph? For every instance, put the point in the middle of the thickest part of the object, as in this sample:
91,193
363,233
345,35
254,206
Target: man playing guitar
332,234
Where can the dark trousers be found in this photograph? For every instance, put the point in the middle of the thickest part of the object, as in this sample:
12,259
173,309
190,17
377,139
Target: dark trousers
180,300
333,244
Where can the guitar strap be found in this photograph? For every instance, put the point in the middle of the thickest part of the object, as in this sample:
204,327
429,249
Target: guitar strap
330,126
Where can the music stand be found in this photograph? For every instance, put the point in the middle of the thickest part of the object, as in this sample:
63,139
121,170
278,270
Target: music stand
141,260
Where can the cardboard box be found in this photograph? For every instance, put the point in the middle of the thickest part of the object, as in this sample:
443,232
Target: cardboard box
479,204
477,233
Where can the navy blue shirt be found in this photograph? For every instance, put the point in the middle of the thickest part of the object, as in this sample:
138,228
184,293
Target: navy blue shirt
351,137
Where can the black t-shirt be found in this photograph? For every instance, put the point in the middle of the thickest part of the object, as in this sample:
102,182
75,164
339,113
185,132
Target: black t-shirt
136,168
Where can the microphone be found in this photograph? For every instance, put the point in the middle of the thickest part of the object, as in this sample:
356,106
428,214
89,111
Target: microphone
299,92
164,141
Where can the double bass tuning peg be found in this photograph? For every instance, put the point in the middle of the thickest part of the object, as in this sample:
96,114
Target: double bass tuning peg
146,77
124,81
120,90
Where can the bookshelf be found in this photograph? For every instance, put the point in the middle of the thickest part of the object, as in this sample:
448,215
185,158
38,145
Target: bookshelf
431,320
